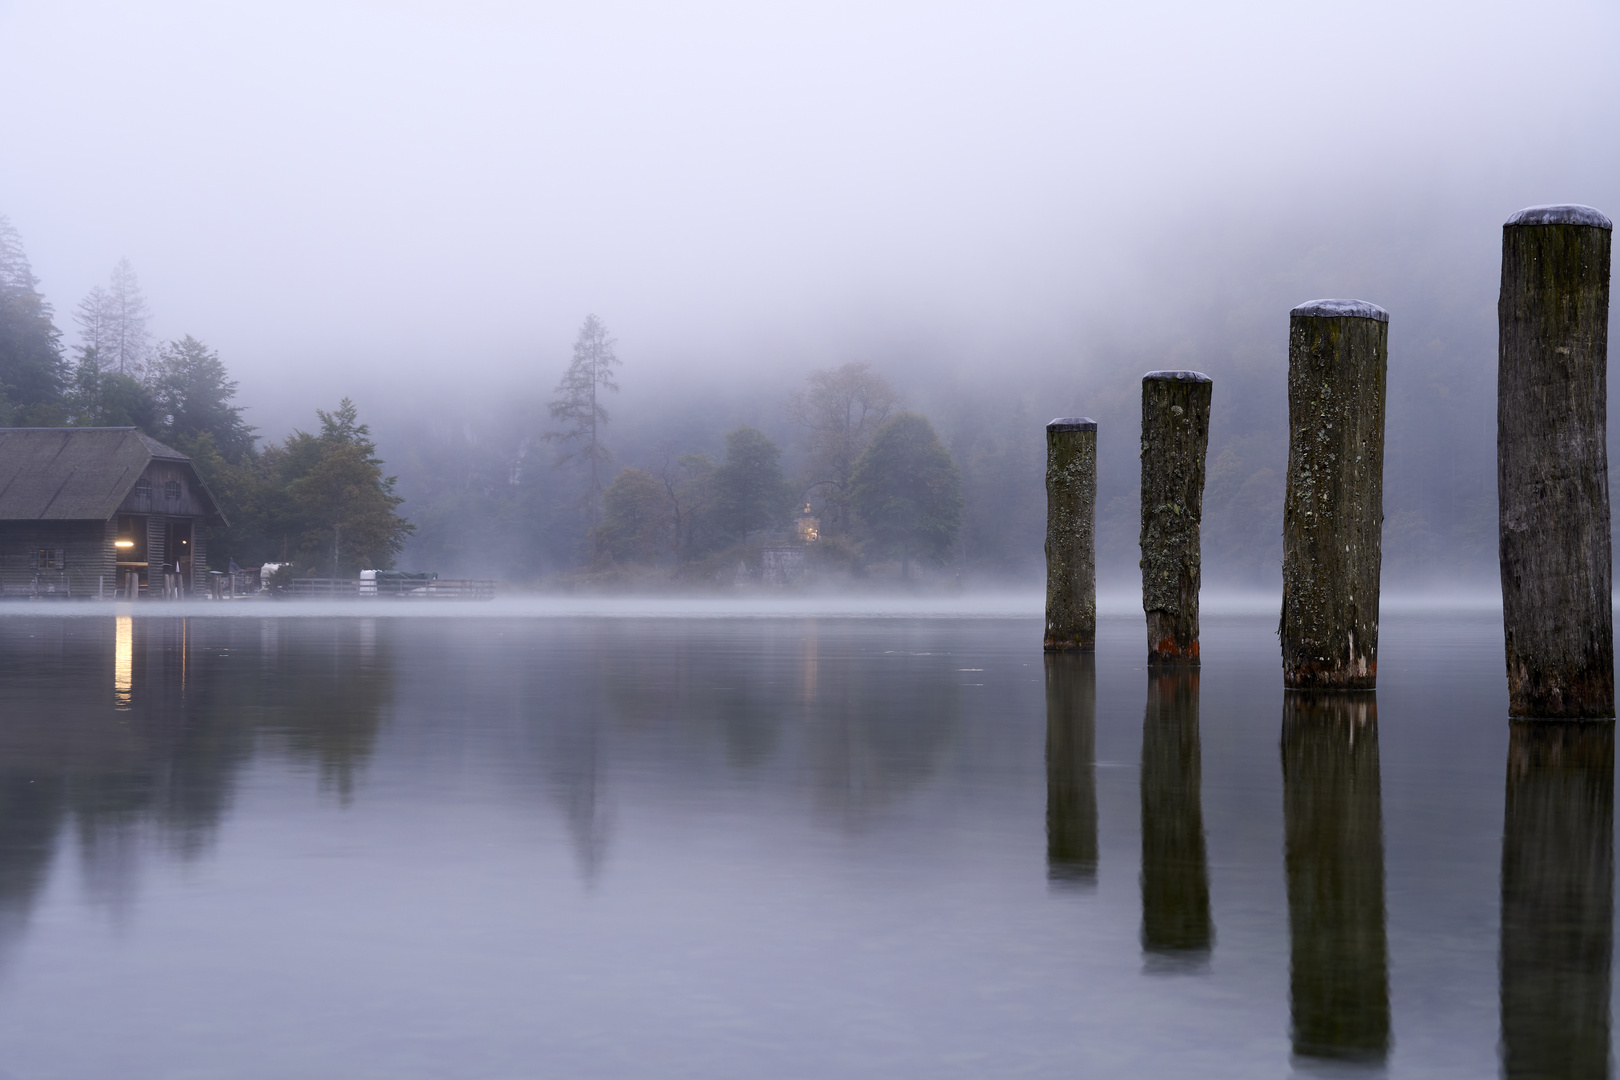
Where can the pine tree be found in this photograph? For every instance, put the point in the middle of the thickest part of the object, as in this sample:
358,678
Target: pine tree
31,365
579,410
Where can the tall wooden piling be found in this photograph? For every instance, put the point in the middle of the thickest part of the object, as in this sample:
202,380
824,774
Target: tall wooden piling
1175,442
1334,860
1071,513
1071,769
1552,466
1557,900
1334,510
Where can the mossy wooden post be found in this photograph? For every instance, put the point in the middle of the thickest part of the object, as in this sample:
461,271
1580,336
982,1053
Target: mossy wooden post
1333,514
1071,513
1552,466
1175,441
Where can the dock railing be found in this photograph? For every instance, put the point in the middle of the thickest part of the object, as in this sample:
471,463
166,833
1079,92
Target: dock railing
406,589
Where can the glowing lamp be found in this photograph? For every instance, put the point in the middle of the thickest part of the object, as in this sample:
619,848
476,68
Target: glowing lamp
123,543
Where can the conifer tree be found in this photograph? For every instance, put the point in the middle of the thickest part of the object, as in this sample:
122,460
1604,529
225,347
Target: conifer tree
581,416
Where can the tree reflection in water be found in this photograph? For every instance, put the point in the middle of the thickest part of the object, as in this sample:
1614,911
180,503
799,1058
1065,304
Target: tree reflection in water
129,732
1177,931
1333,824
1071,769
1557,899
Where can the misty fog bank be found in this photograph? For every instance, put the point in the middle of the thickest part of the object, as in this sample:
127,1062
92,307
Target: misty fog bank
1010,211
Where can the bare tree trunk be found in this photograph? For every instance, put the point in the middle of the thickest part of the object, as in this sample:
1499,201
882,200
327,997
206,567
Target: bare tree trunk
1175,442
1552,463
1071,512
1333,515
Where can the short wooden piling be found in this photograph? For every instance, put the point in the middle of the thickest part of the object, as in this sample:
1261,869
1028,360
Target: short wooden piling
1334,509
1175,442
1071,513
1552,467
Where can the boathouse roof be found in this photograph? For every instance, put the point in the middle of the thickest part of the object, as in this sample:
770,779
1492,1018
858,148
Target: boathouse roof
79,474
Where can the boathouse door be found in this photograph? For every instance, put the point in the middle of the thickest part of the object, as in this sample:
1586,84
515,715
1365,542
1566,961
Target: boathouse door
177,551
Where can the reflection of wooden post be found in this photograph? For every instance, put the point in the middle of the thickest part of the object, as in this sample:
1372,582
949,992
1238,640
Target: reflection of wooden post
1175,439
1334,835
1557,900
1176,925
1334,512
1071,769
1552,466
1071,512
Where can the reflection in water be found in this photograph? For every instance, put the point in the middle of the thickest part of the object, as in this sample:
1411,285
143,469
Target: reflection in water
1557,899
1071,768
156,765
1333,822
1176,928
123,660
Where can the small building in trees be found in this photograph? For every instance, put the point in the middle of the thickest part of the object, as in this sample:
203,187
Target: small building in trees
84,511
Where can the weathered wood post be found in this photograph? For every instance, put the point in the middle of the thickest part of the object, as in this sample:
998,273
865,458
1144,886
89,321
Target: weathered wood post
1175,442
1557,900
1552,466
1071,769
1071,513
1334,859
1333,514
1177,931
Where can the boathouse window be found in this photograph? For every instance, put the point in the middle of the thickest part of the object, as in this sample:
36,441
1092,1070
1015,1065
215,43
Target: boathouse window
143,489
171,490
47,558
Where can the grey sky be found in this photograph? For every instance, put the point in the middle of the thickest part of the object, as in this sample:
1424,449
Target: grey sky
356,188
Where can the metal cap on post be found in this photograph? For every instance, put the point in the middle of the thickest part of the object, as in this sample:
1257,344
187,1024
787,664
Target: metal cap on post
1071,513
1552,466
1333,512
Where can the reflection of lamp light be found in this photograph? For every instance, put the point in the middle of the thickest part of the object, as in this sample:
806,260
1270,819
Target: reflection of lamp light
123,543
123,660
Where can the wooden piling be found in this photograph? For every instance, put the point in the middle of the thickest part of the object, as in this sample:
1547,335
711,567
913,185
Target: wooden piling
1175,442
1334,510
1334,861
1071,512
1552,467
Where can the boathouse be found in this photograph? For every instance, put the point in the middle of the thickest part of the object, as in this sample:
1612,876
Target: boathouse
87,511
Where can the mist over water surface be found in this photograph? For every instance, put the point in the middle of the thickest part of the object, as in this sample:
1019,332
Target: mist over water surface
801,845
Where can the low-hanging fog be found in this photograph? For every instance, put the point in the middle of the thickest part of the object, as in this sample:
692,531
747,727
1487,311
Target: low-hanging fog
1010,211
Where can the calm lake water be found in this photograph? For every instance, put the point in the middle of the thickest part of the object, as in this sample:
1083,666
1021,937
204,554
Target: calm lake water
285,845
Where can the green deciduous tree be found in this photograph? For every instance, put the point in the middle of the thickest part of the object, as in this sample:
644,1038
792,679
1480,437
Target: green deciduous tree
839,411
580,415
334,498
635,517
907,492
750,492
